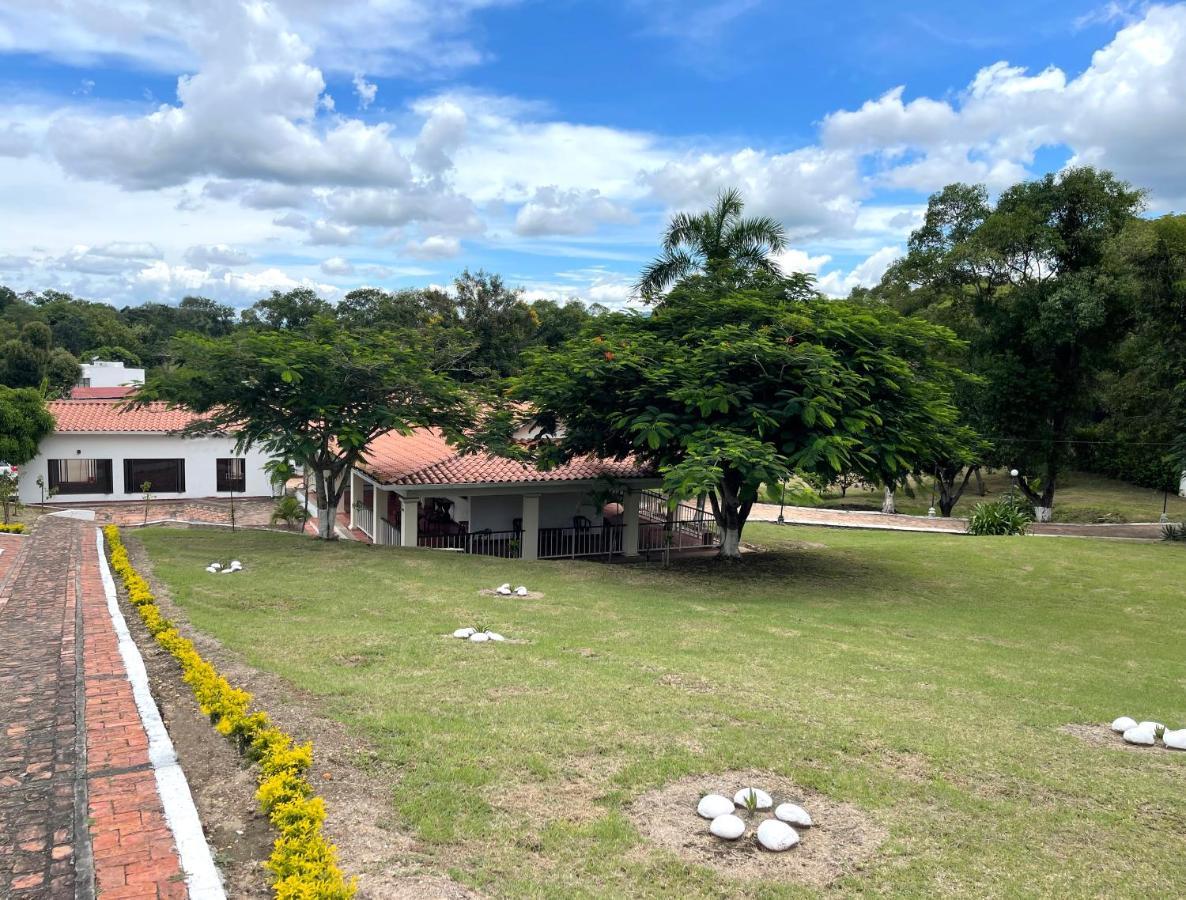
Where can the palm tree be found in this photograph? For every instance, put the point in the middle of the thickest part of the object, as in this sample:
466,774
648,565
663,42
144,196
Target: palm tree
711,240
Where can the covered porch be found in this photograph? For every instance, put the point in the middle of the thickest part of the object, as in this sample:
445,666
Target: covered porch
526,521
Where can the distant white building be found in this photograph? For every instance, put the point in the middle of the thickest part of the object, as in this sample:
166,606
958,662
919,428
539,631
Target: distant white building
99,451
104,373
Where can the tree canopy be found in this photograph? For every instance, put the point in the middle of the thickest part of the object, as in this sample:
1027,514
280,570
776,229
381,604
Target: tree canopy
24,423
1028,281
732,382
317,395
718,241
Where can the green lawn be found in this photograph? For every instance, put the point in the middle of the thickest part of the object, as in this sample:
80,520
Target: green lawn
922,678
1081,497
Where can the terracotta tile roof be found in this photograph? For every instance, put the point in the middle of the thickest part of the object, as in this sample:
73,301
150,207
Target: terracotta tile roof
425,458
91,416
100,393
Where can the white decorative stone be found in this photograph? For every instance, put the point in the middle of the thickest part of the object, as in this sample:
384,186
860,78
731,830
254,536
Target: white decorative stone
521,591
216,565
1124,723
1175,740
211,570
713,805
479,637
495,636
1156,726
235,564
1145,736
728,827
464,632
777,836
504,591
764,801
793,814
228,572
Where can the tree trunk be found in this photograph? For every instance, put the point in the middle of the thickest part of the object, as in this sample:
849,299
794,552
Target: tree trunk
949,493
1043,502
730,544
730,514
887,505
980,489
327,505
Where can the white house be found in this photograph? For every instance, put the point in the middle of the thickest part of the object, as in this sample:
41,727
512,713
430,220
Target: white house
101,452
417,490
102,373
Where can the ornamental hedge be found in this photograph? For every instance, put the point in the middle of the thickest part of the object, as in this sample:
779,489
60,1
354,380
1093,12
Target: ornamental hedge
303,863
12,528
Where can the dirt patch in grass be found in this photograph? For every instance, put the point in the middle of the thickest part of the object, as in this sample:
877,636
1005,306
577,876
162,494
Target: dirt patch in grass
1102,735
347,773
843,839
530,595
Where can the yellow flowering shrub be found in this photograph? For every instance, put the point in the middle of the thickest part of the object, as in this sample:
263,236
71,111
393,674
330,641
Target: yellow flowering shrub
303,863
12,528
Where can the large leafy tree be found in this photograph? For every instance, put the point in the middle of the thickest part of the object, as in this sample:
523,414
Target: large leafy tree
1031,279
735,381
316,395
24,422
717,241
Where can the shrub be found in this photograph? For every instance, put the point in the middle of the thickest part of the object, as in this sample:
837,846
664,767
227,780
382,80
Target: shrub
1173,532
12,528
288,510
303,863
1004,516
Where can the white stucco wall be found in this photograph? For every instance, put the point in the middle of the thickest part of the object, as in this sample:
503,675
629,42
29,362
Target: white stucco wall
199,455
109,374
497,512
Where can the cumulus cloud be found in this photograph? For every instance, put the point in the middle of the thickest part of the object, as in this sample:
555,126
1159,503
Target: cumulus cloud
555,211
337,265
365,90
248,112
435,246
206,255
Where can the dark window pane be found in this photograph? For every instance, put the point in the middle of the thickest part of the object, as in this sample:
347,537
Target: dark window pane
164,476
232,474
80,476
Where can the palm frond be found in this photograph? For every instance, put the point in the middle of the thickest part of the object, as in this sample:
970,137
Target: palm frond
663,272
685,229
756,232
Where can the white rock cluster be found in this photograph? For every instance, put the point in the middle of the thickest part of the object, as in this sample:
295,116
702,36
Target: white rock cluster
505,590
775,834
1146,733
216,568
477,637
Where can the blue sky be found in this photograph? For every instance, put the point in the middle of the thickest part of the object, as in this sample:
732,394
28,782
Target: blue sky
229,148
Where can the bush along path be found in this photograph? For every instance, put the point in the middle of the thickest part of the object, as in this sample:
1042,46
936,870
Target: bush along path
303,863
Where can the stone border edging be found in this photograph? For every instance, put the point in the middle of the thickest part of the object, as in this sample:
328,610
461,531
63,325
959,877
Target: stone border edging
201,876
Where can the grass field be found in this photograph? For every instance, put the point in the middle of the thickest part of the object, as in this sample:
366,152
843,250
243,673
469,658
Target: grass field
1081,498
921,678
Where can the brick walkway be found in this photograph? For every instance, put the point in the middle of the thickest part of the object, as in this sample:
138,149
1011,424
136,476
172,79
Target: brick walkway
79,811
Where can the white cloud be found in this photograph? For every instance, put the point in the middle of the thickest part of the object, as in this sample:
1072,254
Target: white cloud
435,246
337,265
555,211
323,232
203,256
365,90
867,273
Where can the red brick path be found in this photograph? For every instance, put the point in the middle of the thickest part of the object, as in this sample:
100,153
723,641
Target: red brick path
79,812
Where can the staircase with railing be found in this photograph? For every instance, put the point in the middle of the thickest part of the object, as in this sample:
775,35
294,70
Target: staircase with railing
679,527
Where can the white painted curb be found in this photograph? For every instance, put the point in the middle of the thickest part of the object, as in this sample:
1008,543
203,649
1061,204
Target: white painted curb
201,876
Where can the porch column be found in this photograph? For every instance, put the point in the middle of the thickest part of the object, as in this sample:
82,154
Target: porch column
530,536
409,522
630,505
380,510
355,494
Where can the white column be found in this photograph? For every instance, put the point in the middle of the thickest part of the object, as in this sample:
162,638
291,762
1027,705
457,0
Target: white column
409,522
355,494
630,519
530,526
380,510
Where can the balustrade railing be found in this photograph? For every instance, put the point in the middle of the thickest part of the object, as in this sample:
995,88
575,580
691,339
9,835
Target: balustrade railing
593,540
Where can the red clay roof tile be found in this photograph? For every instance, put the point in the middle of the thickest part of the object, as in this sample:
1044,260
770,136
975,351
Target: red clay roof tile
425,458
90,416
